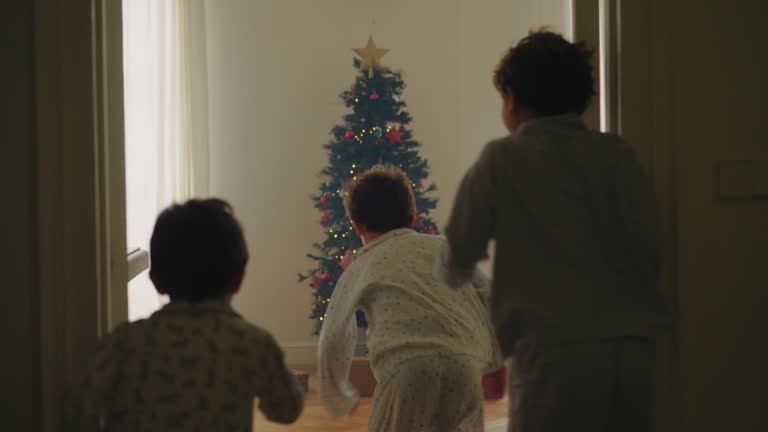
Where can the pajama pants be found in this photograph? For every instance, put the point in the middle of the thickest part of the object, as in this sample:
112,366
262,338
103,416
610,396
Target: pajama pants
601,386
439,393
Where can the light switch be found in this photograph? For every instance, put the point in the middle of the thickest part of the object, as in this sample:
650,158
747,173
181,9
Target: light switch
742,179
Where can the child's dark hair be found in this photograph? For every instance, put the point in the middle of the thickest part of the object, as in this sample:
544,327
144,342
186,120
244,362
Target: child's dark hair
547,75
381,199
197,250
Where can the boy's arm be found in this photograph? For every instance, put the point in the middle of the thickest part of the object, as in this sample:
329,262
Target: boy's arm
335,351
281,400
471,223
483,288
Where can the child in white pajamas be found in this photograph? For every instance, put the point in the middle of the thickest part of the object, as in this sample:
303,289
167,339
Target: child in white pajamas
428,344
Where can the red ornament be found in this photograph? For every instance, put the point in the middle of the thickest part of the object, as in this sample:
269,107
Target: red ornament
350,133
395,136
315,283
430,230
419,184
354,90
323,200
346,104
325,219
374,96
419,220
326,276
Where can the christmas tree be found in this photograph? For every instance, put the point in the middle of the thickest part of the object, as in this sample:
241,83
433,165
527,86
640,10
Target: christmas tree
374,132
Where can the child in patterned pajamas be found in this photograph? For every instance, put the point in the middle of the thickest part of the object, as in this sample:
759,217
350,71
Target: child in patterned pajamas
428,344
195,365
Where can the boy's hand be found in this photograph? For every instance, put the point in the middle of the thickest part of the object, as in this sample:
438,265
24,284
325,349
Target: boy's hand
494,384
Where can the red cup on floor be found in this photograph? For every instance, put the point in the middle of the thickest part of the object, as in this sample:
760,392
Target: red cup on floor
494,384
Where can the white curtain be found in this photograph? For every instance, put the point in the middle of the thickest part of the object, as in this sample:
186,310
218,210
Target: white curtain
166,120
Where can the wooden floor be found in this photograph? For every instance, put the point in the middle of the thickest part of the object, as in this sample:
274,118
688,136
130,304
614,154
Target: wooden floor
315,419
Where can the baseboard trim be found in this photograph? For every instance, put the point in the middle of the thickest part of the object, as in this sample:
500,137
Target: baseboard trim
305,353
300,353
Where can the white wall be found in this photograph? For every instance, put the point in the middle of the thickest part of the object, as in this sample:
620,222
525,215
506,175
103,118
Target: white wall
275,70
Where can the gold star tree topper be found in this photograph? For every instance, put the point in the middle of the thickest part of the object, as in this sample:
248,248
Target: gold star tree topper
370,56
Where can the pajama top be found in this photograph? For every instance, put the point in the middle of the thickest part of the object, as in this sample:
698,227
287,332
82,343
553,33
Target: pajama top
189,367
410,314
573,215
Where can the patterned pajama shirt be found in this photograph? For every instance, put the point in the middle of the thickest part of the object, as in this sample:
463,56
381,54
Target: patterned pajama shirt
189,367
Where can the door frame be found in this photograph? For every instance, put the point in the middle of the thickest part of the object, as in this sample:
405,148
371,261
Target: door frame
644,47
647,54
81,185
81,168
636,39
